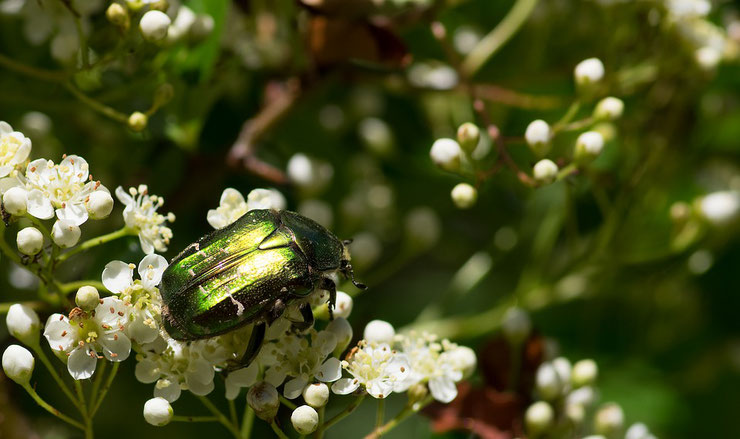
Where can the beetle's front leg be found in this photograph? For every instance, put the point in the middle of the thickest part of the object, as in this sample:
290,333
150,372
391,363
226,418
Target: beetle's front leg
253,347
328,285
307,314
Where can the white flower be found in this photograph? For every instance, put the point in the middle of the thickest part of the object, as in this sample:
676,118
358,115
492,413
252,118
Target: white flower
81,336
64,188
609,108
376,367
238,379
29,241
231,207
14,149
589,71
294,356
316,395
18,363
545,170
154,25
343,306
446,153
264,400
464,196
265,199
23,323
638,431
309,174
141,294
141,215
378,331
342,331
65,233
158,412
181,26
720,207
538,135
538,417
589,145
15,200
432,363
609,419
305,419
584,373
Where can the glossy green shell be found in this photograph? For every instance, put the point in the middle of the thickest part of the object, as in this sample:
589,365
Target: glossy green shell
234,276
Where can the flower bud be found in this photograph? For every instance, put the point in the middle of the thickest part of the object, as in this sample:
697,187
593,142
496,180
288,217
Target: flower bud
23,323
609,108
719,208
538,136
516,325
343,306
588,146
158,412
576,413
117,15
562,367
468,136
15,201
609,419
584,373
99,205
263,398
446,154
589,72
65,233
584,396
538,418
316,395
638,431
154,25
87,298
18,363
342,330
464,196
463,358
547,382
137,121
545,171
305,420
29,241
379,331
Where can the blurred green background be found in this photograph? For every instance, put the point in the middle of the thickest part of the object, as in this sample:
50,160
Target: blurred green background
594,258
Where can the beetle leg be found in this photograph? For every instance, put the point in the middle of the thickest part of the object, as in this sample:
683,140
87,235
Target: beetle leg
307,314
328,285
253,348
276,311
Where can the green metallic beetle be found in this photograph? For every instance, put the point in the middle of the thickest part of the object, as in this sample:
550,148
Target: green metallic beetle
248,272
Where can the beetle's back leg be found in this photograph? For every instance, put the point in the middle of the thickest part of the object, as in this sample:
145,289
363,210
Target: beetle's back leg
328,285
254,345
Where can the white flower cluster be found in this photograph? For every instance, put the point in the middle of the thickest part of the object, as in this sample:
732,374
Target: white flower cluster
384,362
141,215
232,205
567,395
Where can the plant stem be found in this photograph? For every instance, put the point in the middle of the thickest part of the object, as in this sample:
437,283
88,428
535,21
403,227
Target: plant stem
232,413
380,414
36,304
195,418
71,286
90,243
287,403
96,105
278,431
62,385
33,72
567,171
46,406
220,416
343,414
400,417
320,431
105,389
97,382
491,43
247,422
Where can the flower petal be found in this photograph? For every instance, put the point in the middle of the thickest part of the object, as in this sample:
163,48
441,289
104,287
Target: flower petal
294,388
330,371
216,219
345,386
59,333
39,206
116,346
74,213
81,363
151,269
146,371
442,389
168,390
125,198
118,276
